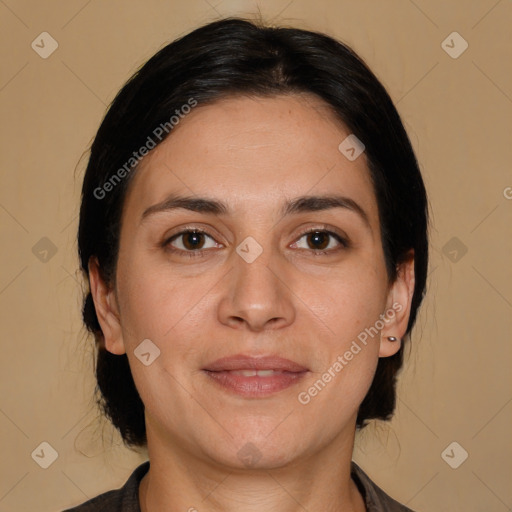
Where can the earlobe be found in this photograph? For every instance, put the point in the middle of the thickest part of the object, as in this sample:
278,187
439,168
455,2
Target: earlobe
107,309
396,317
389,346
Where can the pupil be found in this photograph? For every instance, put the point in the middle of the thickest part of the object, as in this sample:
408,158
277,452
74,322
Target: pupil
194,244
319,237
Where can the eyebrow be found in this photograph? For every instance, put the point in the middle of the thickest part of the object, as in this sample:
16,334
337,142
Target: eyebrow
298,205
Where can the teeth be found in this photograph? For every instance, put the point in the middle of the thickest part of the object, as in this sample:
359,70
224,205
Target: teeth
254,373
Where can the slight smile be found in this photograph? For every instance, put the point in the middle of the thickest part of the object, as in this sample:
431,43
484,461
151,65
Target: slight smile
255,377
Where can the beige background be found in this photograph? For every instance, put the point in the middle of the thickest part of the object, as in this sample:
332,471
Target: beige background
456,385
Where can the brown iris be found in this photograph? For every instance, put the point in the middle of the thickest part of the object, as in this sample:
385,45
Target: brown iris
318,238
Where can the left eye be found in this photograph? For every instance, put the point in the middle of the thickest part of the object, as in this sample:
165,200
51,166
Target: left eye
191,240
319,240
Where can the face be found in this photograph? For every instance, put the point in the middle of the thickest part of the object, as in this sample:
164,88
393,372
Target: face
269,309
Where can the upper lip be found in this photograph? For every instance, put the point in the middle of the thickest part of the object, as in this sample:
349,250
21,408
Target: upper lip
245,362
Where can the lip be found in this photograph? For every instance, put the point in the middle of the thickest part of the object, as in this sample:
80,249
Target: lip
233,374
245,362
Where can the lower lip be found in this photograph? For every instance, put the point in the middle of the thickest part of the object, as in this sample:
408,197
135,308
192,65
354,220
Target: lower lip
256,386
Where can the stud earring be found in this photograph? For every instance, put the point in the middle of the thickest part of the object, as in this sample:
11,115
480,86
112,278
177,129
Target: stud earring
392,338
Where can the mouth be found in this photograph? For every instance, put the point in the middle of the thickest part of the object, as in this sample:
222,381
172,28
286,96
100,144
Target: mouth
254,377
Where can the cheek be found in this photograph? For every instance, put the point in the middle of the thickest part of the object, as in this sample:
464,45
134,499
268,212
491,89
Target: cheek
347,299
348,353
347,305
170,309
146,290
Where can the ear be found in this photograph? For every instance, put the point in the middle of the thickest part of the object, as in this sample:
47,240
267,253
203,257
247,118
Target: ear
398,307
107,309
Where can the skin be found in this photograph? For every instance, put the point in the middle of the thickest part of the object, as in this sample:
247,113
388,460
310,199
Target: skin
253,154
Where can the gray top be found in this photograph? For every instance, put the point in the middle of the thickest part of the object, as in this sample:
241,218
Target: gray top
126,499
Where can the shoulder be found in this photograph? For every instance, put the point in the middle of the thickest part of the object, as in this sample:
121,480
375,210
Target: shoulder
124,499
375,498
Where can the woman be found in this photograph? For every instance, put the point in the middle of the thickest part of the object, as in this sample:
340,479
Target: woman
254,232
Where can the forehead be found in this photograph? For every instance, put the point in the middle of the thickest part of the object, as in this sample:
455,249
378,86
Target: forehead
251,152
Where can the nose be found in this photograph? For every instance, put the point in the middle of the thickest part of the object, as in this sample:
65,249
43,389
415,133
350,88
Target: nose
257,295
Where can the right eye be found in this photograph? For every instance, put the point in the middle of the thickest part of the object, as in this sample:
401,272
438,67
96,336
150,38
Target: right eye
189,242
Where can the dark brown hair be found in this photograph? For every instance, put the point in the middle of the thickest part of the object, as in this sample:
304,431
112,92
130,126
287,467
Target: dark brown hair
232,57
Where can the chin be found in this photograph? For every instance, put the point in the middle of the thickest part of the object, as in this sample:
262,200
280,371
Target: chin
250,455
258,450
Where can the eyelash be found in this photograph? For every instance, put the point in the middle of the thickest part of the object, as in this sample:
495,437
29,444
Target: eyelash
200,253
